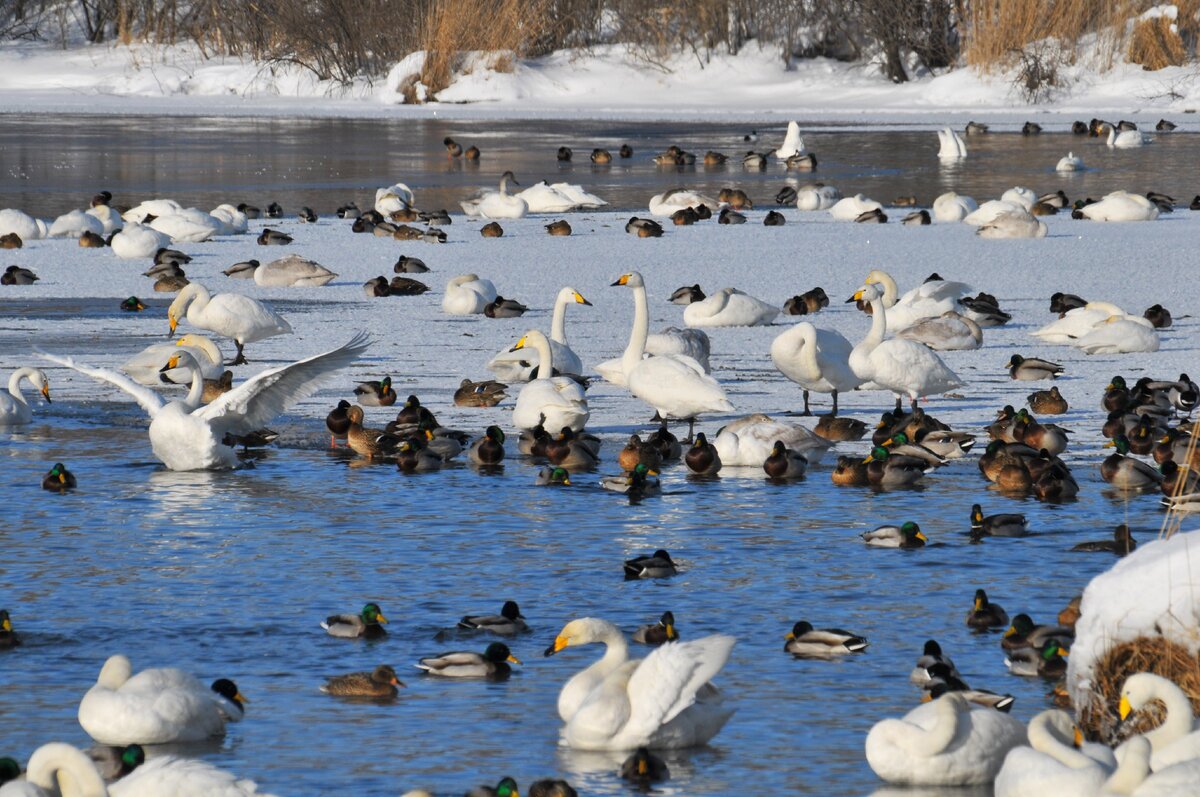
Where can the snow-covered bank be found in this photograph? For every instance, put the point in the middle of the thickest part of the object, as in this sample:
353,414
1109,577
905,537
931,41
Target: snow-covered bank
604,82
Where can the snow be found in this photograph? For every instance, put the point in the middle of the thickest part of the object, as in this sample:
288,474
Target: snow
1152,592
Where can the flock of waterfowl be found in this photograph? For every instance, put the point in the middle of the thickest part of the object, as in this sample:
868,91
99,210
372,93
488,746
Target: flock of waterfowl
962,736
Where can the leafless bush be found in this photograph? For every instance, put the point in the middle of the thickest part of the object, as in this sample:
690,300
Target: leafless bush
1037,72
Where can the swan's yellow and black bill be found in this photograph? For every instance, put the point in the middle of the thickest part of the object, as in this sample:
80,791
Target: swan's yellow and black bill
580,300
1124,709
560,642
520,344
171,363
623,280
46,392
173,322
858,294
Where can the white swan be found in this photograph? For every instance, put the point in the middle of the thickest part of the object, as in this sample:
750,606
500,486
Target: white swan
946,742
793,144
951,145
393,198
110,219
815,359
542,198
729,307
988,211
953,207
662,702
1177,739
187,436
1070,163
676,386
500,204
1019,195
852,207
152,207
553,401
747,442
75,224
1119,335
669,202
693,343
1077,322
1051,765
293,271
930,299
137,240
1121,206
511,366
901,366
577,194
467,294
1133,776
146,367
1126,139
948,332
817,197
229,315
25,226
235,221
187,226
14,410
1013,224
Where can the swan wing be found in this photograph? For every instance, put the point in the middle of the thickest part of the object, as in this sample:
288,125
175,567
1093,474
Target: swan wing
182,777
150,401
667,680
255,402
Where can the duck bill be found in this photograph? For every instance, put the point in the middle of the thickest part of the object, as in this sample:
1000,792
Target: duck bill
381,619
671,634
920,535
6,625
240,698
1010,633
512,659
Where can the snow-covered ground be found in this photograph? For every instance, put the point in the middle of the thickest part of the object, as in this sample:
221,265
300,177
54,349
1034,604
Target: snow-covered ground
604,82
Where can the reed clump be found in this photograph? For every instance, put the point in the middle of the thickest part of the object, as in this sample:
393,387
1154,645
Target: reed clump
1156,44
450,32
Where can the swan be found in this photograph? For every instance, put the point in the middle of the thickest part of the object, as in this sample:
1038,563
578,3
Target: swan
109,219
948,332
661,702
137,240
1119,335
146,367
1070,163
393,198
467,294
1021,196
1077,322
815,359
747,442
293,271
235,221
1133,776
510,366
1013,224
793,144
1177,739
1051,764
542,198
500,204
14,410
26,227
901,366
151,207
951,145
1120,206
675,385
817,197
75,224
953,207
852,207
580,197
1126,139
729,307
187,436
229,315
187,226
551,401
930,299
988,211
692,343
668,202
946,742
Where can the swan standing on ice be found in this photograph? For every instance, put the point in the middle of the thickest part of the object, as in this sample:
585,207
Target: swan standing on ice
554,402
186,435
729,307
14,410
793,144
1051,764
661,702
510,366
229,315
951,145
467,294
815,359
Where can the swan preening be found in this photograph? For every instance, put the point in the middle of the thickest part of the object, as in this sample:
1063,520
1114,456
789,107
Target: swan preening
14,409
1051,764
664,701
951,145
467,294
793,144
187,436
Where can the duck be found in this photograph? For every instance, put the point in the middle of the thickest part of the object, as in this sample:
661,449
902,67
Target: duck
784,464
1024,633
244,269
1044,662
888,471
637,483
156,706
839,428
702,457
375,393
850,472
504,308
379,683
553,401
467,294
512,366
932,658
489,449
14,409
617,704
658,633
948,332
1030,369
943,682
293,271
908,535
1039,436
412,459
1069,163
1121,544
493,663
15,275
567,451
806,303
1047,402
748,441
951,145
1158,316
486,393
185,435
817,360
509,622
945,742
215,388
918,218
1005,525
404,286
666,203
1124,472
637,452
59,479
643,767
553,477
8,637
338,422
655,565
367,624
806,642
229,315
1052,761
603,157
984,614
667,444
643,228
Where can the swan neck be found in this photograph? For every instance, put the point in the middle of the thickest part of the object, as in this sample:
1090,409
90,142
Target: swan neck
878,326
1178,722
209,348
58,766
639,333
808,353
1131,772
938,738
14,382
196,393
197,301
558,322
1043,739
545,357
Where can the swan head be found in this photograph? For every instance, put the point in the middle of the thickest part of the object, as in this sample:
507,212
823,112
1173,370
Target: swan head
1140,689
180,359
633,280
575,296
583,631
115,672
39,380
530,338
869,292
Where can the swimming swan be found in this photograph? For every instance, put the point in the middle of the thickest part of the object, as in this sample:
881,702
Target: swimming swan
467,294
511,366
946,742
1051,763
1126,139
1070,163
747,442
187,436
552,401
951,145
14,410
815,359
729,307
662,702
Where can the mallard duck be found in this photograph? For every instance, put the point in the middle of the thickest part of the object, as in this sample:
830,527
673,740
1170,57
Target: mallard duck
1024,633
908,535
1045,662
307,215
564,154
774,219
1029,369
380,682
839,428
643,228
413,414
784,464
806,303
1116,395
899,445
603,157
1173,445
1121,544
1048,402
1056,484
367,624
806,642
638,483
635,453
471,153
569,452
369,443
509,622
269,237
1158,315
885,470
59,479
445,443
113,762
505,788
932,658
553,477
215,388
1040,436
1000,455
133,305
410,459
551,787
1144,436
850,472
657,565
688,294
941,684
1123,471
730,216
338,422
492,663
504,308
492,230
702,458
668,445
274,210
985,614
1003,525
489,449
657,633
532,442
399,286
643,767
453,148
8,637
1178,480
487,393
1069,615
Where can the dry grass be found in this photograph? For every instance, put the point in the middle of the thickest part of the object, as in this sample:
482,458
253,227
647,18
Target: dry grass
1145,654
999,29
1156,44
450,30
